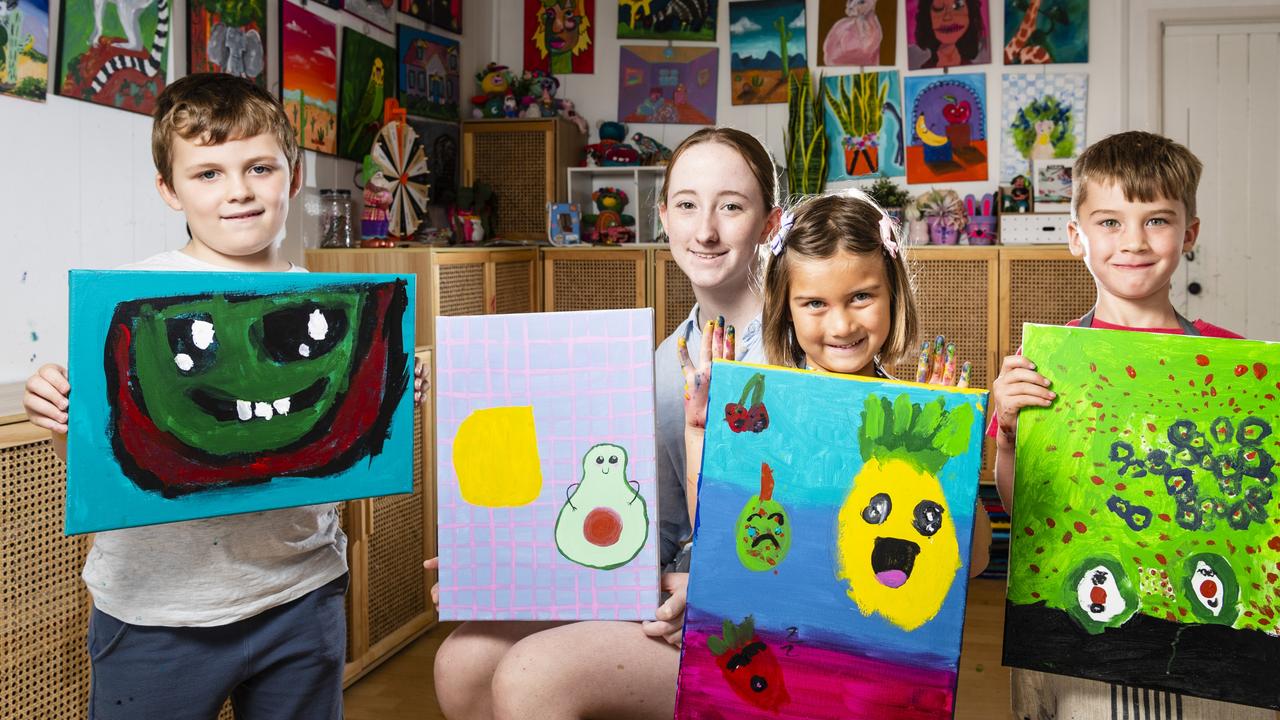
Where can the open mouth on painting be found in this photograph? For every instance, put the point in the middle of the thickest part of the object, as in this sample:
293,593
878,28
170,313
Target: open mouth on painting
892,560
225,408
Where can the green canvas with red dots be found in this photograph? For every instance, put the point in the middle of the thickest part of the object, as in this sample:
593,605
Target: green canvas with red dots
1145,542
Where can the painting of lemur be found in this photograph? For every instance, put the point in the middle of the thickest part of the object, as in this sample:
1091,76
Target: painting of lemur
113,52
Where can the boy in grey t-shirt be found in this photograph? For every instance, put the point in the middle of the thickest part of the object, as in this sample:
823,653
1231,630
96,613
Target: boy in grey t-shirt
245,606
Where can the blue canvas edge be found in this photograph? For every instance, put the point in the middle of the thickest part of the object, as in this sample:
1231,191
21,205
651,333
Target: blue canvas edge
247,281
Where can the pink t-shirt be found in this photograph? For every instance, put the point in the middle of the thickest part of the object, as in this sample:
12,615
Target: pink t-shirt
1206,329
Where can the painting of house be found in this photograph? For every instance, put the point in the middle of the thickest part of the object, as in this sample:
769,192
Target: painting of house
667,84
428,74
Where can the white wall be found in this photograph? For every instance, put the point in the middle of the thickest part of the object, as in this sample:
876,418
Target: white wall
77,190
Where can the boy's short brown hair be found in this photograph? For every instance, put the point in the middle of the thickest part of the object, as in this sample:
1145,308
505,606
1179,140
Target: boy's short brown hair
212,108
1146,167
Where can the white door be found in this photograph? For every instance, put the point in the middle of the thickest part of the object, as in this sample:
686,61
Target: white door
1221,94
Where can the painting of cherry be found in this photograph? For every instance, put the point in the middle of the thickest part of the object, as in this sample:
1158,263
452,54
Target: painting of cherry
946,119
742,417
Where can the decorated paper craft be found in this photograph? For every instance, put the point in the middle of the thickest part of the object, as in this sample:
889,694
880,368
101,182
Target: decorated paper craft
857,32
114,53
24,49
1043,116
831,547
667,84
767,39
947,34
1046,31
203,394
546,466
667,19
309,77
559,36
228,37
865,123
1145,535
368,77
946,119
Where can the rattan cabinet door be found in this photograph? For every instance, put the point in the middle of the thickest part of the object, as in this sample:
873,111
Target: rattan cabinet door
44,667
673,294
1048,285
594,279
515,281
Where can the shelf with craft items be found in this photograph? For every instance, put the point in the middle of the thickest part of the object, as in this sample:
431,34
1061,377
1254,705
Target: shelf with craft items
640,183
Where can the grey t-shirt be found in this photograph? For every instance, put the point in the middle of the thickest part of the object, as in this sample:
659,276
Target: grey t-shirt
673,512
202,573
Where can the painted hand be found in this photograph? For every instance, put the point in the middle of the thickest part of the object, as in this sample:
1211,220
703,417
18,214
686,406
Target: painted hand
937,365
717,344
669,624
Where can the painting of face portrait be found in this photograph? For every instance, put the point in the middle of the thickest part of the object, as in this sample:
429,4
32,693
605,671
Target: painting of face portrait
947,33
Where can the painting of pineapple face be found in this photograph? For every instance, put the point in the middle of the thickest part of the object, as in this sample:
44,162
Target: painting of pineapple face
604,521
764,532
896,543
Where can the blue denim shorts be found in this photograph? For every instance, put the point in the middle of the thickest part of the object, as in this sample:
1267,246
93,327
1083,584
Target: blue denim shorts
284,663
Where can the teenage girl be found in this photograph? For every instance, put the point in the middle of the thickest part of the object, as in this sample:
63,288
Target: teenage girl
837,298
719,209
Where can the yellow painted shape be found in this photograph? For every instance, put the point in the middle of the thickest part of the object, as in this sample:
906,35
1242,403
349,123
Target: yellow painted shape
919,599
495,456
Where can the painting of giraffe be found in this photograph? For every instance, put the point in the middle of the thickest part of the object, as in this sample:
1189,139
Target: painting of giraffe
1041,32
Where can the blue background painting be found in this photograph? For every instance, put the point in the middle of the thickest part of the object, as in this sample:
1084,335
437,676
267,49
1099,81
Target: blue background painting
100,496
812,445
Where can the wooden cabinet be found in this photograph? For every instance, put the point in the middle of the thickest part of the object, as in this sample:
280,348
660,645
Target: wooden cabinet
1046,285
389,602
525,162
672,294
595,278
451,281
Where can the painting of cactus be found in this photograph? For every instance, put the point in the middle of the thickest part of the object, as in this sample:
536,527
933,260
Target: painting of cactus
767,39
1145,543
864,117
806,138
24,49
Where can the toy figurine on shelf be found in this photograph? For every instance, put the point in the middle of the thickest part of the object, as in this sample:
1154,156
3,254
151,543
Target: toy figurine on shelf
611,150
652,152
495,84
375,220
608,224
981,229
570,113
472,215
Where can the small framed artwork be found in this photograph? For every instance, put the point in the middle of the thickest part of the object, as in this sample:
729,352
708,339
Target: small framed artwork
1016,196
564,222
1052,184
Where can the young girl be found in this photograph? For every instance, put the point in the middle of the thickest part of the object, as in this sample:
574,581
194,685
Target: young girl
837,299
719,208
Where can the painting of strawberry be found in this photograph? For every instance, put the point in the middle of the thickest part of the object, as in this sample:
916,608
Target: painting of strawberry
749,665
741,417
957,114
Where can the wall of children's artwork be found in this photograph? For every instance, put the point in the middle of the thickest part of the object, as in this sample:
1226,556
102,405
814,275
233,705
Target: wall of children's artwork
1144,535
546,470
831,548
90,163
203,394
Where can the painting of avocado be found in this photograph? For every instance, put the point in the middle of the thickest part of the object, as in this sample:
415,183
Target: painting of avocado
546,466
831,549
1146,535
604,522
205,394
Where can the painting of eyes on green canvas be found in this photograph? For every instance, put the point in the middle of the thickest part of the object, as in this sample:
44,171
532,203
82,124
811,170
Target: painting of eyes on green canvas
1146,536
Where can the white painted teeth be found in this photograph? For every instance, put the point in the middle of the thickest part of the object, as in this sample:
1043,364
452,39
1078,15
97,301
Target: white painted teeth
247,410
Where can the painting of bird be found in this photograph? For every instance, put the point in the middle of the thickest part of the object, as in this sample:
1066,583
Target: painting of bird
368,76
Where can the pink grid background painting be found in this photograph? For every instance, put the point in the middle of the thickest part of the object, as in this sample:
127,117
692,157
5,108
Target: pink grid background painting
589,378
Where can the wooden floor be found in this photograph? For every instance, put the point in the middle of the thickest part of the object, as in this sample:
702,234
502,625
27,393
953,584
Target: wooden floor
402,689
